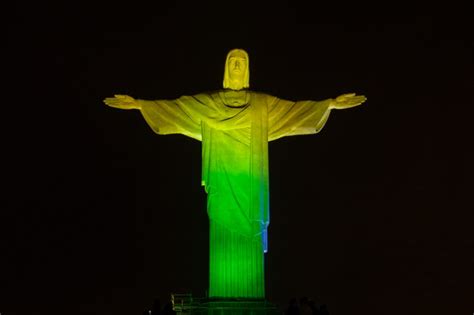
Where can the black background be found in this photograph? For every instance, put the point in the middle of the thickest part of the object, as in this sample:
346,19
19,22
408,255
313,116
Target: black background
372,216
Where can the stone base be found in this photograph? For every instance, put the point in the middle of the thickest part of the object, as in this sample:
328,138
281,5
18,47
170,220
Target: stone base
213,306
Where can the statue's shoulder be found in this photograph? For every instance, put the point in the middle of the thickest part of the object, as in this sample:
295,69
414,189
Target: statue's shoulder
207,97
213,93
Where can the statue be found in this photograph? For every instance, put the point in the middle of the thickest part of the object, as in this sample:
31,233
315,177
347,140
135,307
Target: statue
235,125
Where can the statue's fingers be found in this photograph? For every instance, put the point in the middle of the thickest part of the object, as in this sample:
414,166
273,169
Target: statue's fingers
359,98
354,102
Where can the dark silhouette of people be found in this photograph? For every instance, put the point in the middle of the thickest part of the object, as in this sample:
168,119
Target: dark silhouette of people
293,308
156,308
323,310
305,309
314,307
168,309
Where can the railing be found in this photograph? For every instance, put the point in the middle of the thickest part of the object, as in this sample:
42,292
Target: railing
182,303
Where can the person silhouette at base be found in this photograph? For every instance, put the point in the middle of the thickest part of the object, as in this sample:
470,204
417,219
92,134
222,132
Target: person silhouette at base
305,308
293,308
323,310
168,309
156,308
314,307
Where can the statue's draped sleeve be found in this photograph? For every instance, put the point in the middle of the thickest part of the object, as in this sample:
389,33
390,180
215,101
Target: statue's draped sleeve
180,116
288,118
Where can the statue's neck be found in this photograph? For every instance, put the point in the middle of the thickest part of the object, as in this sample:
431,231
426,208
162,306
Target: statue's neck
236,85
235,98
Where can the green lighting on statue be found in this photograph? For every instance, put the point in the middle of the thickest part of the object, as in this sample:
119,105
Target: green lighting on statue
235,125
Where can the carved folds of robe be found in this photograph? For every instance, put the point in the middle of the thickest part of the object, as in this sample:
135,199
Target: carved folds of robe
235,127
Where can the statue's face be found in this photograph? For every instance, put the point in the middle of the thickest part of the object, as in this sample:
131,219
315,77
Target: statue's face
237,67
236,74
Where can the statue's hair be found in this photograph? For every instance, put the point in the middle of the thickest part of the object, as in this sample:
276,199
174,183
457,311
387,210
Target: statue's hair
226,70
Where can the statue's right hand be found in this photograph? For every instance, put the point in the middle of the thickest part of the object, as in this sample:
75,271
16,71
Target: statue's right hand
122,101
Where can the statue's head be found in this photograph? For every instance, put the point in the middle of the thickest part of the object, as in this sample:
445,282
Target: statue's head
236,74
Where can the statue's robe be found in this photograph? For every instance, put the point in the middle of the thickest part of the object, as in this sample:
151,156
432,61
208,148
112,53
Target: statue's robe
235,128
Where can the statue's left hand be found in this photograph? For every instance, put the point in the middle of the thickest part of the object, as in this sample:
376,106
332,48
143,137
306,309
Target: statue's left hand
347,101
122,102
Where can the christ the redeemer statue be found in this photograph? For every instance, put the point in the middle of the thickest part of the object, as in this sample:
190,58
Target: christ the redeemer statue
235,125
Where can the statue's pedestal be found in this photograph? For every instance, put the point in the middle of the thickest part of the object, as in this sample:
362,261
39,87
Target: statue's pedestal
186,305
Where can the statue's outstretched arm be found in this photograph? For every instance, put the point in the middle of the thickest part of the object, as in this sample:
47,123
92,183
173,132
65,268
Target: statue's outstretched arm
347,101
180,116
122,102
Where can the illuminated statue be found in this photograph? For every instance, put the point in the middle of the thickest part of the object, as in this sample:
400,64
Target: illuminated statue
235,125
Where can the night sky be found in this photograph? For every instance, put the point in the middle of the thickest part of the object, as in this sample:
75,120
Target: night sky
373,215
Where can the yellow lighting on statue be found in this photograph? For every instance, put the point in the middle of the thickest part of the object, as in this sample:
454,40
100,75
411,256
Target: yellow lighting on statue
235,125
236,71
